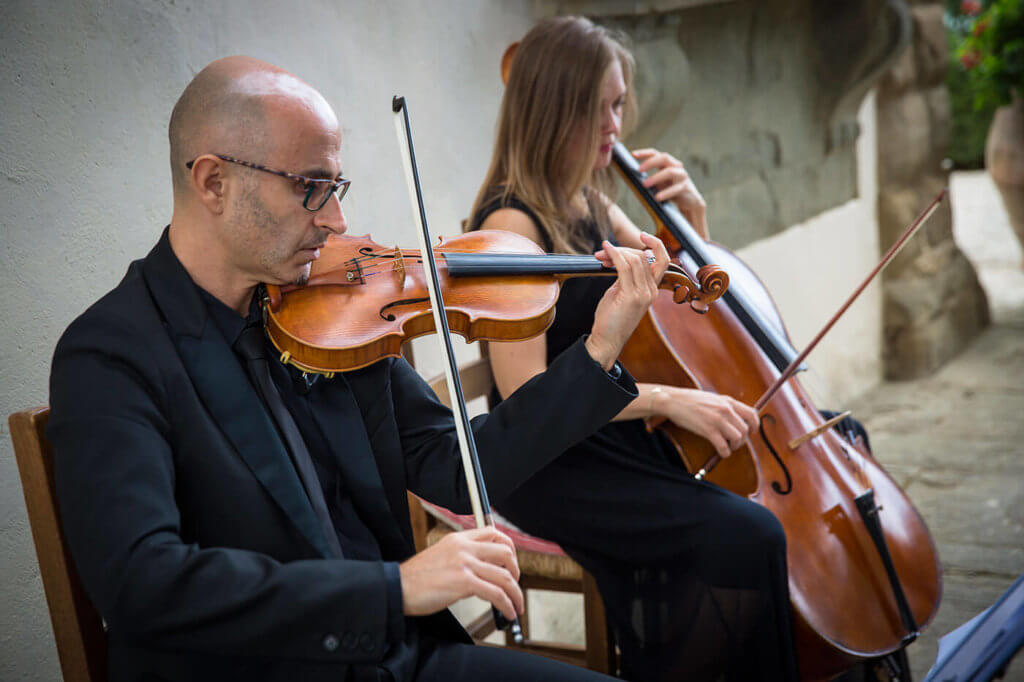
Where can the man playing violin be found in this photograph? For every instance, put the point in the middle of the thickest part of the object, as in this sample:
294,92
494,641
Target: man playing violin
229,518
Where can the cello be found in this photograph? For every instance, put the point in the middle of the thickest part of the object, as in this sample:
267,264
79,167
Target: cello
864,574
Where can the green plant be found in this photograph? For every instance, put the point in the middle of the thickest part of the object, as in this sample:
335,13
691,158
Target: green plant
991,50
970,126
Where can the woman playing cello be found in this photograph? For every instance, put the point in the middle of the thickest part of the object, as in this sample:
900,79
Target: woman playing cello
693,577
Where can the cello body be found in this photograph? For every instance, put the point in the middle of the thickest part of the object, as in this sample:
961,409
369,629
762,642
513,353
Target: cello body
864,574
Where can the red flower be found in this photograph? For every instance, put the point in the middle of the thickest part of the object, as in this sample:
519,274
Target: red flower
970,59
970,7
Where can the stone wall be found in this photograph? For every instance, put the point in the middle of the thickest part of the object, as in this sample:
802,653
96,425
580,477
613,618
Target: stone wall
759,99
934,304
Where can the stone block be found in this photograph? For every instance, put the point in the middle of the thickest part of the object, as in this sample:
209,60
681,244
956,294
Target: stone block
901,76
939,228
931,47
898,207
904,138
929,318
940,111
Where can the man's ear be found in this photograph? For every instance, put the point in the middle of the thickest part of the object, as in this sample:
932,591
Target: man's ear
207,180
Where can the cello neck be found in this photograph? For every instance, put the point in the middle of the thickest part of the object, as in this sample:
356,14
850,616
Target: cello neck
673,229
682,239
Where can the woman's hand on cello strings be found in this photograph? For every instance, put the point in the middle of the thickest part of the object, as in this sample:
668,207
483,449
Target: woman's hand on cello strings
673,183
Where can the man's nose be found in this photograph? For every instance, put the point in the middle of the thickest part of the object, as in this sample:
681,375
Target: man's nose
331,216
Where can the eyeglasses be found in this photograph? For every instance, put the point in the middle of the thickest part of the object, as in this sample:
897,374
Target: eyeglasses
318,190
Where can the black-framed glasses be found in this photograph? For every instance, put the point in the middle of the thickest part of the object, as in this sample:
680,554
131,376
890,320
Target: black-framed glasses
318,190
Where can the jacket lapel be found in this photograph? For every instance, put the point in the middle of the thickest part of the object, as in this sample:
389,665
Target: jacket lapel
337,413
226,392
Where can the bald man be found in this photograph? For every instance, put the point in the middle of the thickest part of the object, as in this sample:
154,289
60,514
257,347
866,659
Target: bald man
231,519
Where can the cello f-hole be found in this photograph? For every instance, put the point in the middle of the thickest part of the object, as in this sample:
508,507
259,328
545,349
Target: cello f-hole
789,479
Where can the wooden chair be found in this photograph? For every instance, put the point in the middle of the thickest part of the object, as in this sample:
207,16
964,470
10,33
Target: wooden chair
77,626
543,565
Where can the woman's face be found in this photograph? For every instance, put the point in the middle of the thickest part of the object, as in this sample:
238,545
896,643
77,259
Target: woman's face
613,98
609,123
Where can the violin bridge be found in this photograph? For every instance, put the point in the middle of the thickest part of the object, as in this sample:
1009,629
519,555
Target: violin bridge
399,264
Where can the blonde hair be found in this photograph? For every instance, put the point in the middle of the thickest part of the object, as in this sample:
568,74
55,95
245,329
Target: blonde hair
554,86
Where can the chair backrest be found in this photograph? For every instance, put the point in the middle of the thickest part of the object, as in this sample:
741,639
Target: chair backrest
476,378
476,382
77,626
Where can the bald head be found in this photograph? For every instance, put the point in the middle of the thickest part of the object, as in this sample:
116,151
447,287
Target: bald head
233,107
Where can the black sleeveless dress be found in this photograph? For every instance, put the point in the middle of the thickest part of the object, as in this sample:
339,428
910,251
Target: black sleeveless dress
693,577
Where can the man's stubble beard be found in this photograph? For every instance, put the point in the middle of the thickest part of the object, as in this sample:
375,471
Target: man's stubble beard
256,222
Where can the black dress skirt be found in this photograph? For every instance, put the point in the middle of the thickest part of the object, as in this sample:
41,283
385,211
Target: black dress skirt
693,577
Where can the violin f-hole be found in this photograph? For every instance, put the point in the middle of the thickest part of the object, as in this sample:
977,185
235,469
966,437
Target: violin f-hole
394,304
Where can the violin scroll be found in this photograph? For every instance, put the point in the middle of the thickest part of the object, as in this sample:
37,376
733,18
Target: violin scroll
712,282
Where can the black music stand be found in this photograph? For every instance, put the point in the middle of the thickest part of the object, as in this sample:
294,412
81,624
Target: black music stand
980,649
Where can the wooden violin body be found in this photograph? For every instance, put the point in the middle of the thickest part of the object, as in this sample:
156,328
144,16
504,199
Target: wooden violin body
847,522
363,301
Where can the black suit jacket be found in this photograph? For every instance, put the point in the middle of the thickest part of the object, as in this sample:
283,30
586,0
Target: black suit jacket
188,523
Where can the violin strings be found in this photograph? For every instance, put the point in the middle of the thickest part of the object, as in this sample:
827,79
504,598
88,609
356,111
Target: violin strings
376,255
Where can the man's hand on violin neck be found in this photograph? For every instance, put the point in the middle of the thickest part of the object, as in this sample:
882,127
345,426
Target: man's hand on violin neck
626,301
471,563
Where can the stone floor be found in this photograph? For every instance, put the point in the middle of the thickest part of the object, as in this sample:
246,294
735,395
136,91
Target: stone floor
955,440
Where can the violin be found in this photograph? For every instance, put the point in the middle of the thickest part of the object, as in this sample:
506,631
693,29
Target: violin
364,301
864,574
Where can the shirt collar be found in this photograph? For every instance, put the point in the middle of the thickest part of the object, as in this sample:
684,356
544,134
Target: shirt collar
228,321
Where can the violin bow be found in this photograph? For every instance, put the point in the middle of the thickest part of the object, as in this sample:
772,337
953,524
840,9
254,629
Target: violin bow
798,360
467,444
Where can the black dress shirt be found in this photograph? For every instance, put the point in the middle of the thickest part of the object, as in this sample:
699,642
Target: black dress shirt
355,538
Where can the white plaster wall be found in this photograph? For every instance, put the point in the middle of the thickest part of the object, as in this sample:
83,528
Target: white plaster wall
812,268
86,89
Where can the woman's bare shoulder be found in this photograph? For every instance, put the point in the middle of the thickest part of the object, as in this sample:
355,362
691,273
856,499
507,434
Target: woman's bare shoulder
513,220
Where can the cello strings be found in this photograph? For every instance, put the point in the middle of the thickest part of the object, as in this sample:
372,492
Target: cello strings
820,391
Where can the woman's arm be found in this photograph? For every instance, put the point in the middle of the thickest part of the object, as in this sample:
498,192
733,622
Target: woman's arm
724,421
515,363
